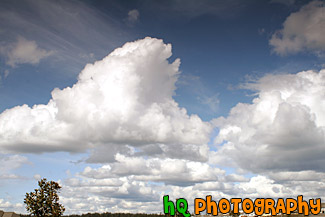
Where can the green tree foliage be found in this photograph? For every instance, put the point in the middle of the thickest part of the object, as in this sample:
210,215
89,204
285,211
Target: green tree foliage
44,201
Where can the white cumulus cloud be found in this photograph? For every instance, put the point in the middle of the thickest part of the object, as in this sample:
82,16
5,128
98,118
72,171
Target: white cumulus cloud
283,129
124,100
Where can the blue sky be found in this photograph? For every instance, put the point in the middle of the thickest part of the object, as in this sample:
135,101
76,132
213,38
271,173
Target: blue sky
202,97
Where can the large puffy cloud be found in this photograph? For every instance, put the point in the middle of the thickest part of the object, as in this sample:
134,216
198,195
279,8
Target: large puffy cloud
302,30
282,130
124,99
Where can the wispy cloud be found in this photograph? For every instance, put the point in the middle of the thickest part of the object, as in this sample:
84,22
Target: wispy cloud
9,163
208,101
72,31
192,8
285,2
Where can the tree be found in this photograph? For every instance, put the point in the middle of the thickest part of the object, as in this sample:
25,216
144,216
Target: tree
232,213
44,201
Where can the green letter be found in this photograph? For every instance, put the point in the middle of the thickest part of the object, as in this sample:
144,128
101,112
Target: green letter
168,204
182,209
